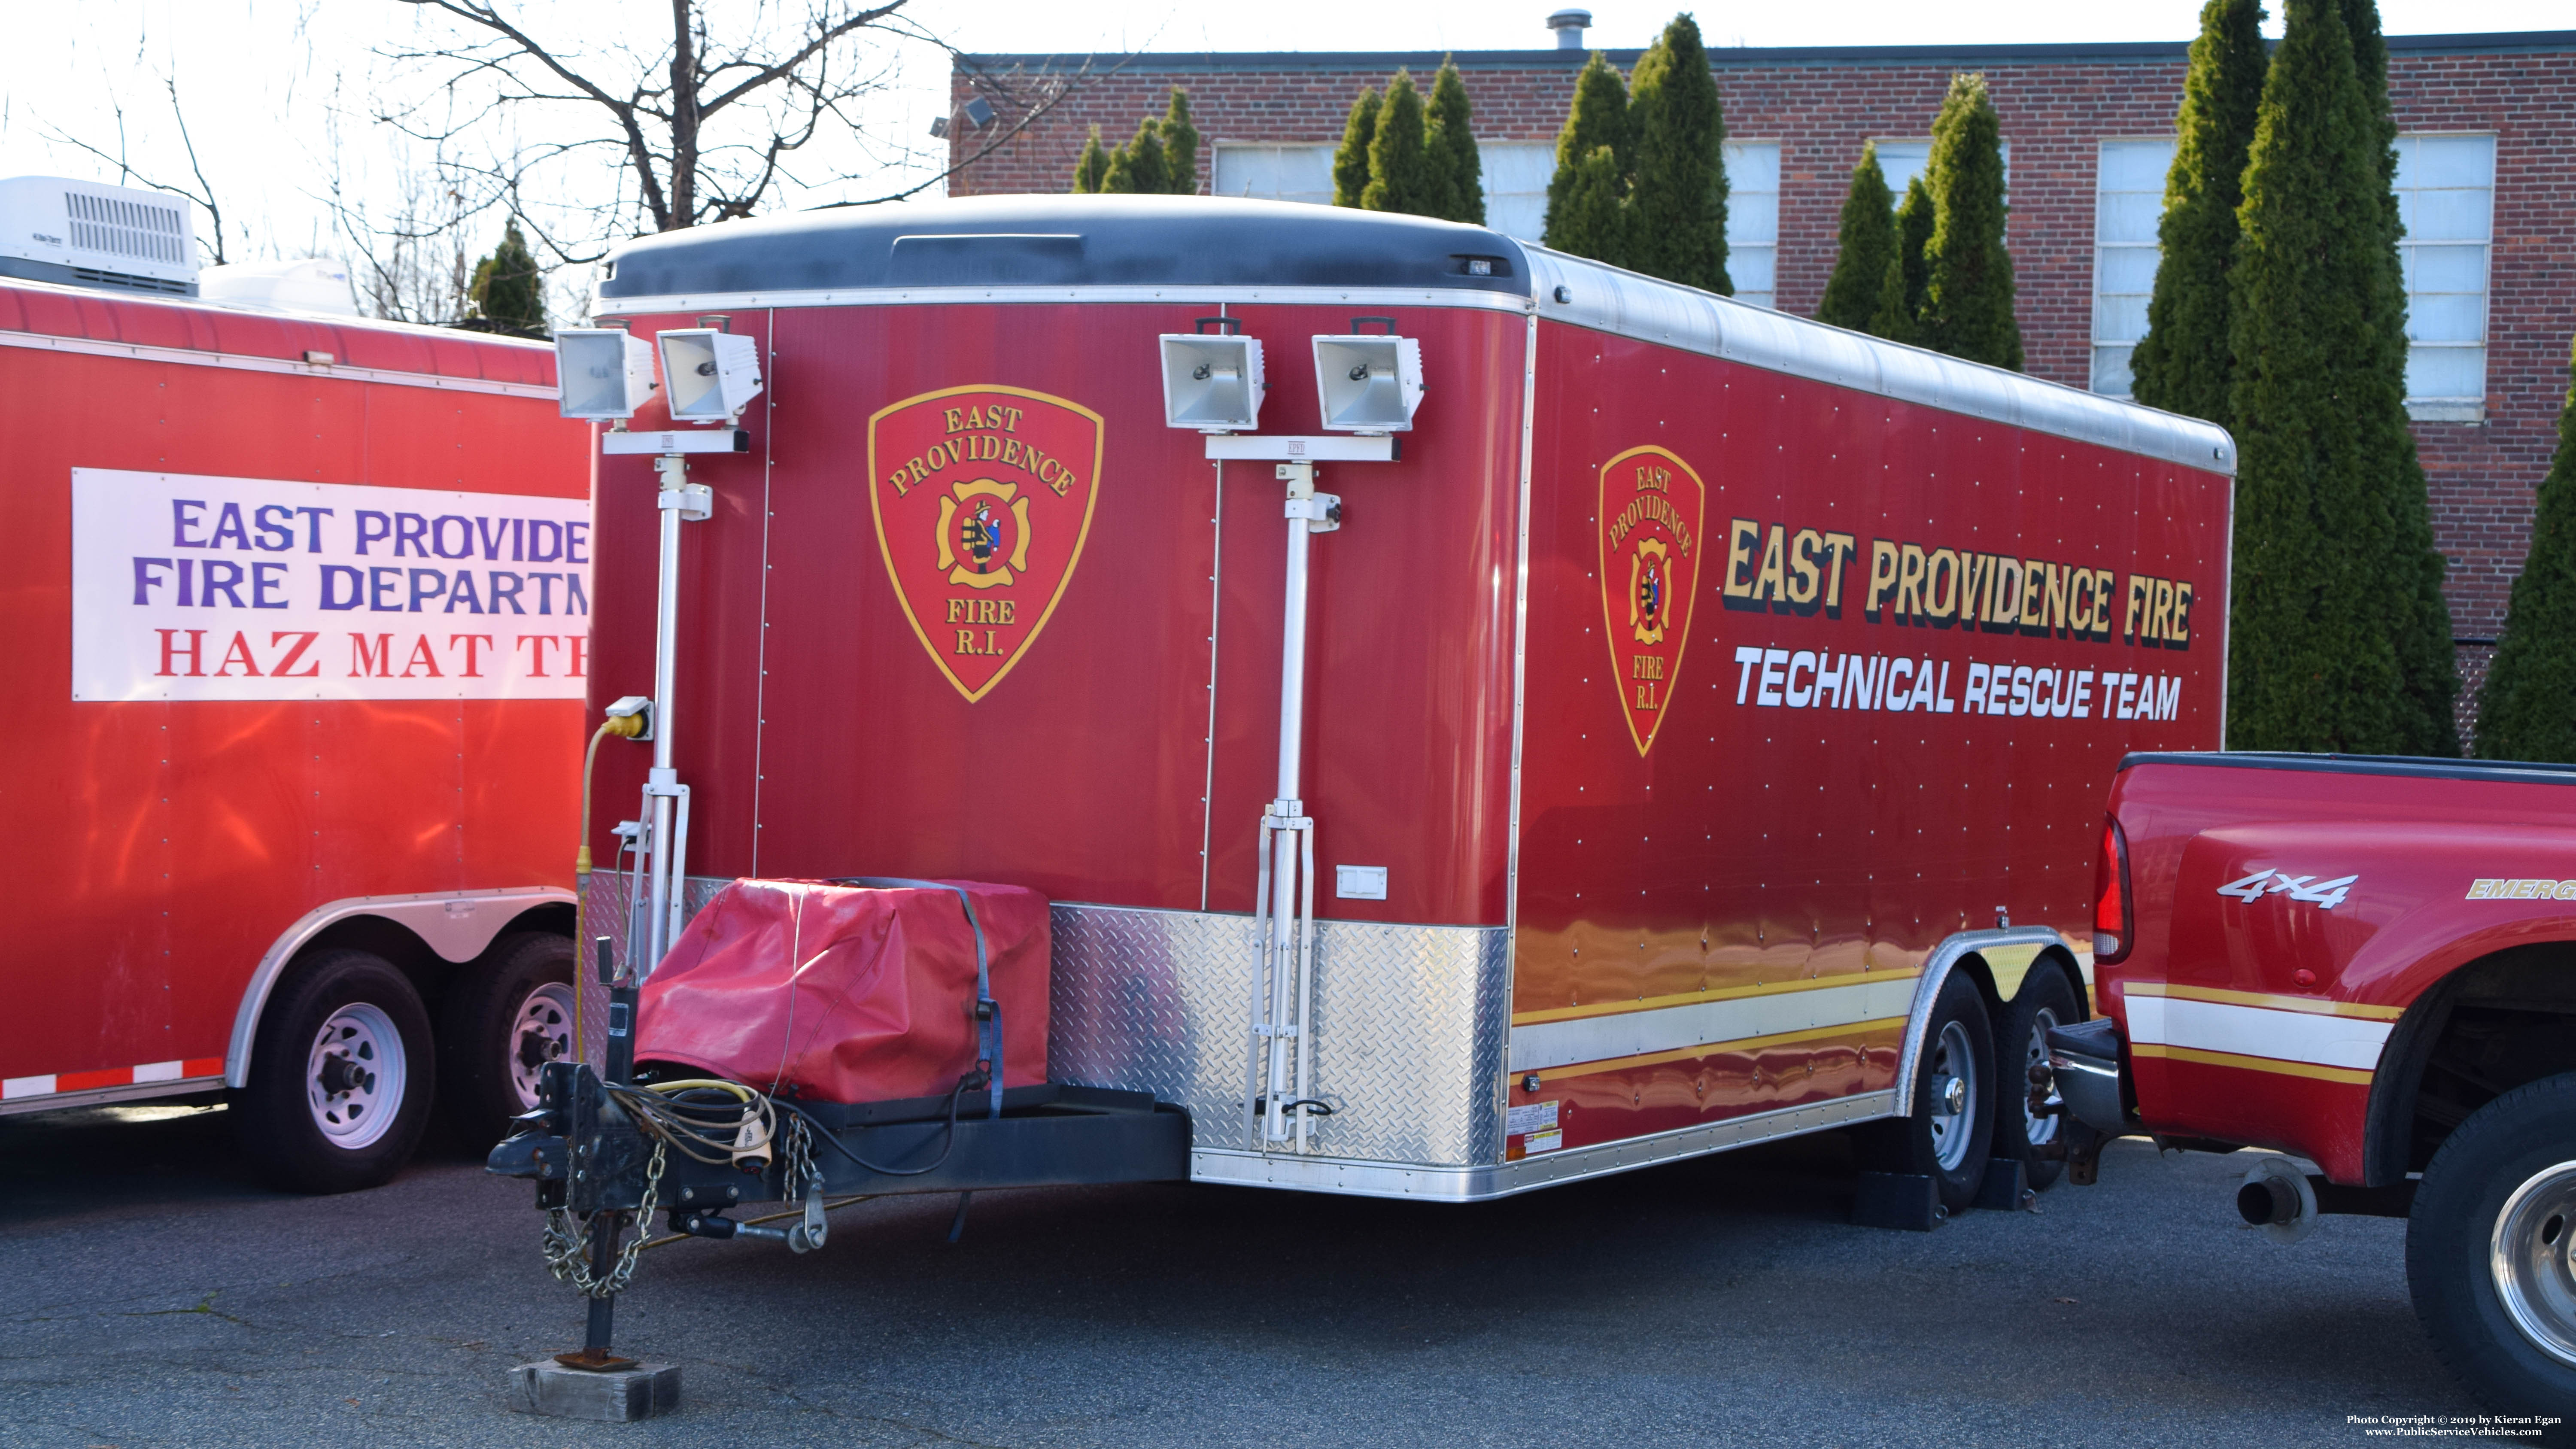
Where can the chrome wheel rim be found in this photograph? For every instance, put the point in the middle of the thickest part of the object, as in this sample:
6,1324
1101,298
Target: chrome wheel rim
2037,1130
540,1032
354,1075
1954,1096
2529,1256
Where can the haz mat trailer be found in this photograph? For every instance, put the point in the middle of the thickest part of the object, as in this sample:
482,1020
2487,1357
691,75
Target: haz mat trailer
1671,724
296,610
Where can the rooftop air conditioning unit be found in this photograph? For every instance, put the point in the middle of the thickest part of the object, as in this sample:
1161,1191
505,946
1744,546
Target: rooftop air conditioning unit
81,234
307,284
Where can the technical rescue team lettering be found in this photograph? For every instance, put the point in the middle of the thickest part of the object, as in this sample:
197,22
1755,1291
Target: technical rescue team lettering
1649,548
190,587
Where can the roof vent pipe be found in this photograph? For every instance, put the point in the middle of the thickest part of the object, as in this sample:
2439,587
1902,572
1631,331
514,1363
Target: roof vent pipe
1569,26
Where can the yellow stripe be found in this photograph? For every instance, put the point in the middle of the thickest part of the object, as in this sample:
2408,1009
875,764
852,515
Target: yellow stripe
2308,1004
1693,998
2345,1075
1717,1048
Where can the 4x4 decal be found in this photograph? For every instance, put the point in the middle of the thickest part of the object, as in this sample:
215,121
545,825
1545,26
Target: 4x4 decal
2324,895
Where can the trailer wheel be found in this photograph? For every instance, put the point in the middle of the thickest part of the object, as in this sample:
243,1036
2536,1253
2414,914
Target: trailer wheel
1948,1129
2488,1244
340,1076
2021,1043
504,1019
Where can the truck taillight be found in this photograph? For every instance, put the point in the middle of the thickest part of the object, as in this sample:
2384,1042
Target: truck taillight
2111,919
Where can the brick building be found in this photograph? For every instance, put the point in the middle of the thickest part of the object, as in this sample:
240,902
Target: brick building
2487,176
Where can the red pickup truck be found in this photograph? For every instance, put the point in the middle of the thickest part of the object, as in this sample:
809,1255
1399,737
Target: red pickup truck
2369,963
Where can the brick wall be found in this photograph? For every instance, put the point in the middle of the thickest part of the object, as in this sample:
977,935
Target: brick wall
2057,103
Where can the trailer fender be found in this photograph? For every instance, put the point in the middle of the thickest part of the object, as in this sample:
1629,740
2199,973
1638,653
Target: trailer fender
458,925
1936,971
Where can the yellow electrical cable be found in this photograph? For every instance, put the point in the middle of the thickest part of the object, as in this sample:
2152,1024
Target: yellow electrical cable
625,727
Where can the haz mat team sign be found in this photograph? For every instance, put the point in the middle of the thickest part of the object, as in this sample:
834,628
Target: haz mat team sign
982,498
201,588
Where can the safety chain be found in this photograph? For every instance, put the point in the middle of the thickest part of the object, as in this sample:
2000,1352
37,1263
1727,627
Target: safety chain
567,1249
796,1161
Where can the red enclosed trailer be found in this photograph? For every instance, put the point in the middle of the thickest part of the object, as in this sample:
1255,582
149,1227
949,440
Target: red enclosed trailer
1689,723
298,617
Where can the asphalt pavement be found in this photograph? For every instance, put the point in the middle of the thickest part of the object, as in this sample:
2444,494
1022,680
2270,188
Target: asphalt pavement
152,1293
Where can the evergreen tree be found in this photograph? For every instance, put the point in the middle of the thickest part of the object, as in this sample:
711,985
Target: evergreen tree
1399,157
1909,272
1677,200
1180,139
2527,710
1091,173
1589,225
1968,292
1351,161
2183,365
2426,654
508,290
1458,173
1138,165
2329,612
1868,244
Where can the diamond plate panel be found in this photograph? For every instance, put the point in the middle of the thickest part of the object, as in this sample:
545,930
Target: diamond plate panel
1409,1026
607,901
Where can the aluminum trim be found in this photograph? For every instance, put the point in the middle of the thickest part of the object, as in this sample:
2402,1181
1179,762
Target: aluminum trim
604,308
1444,1183
1520,692
455,939
1936,972
102,1096
1607,299
243,362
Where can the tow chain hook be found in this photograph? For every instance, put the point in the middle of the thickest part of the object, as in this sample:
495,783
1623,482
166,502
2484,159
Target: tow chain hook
809,1235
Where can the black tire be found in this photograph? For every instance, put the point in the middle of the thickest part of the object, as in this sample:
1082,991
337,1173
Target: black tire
505,1014
2021,1041
2518,1151
1952,1147
335,1117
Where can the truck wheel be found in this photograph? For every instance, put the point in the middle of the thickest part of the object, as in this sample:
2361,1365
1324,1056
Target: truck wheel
1949,1127
2021,1043
2488,1243
505,1018
340,1076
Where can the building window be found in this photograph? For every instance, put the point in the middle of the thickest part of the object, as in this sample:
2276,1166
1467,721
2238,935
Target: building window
1516,177
1901,161
1274,173
1753,220
2128,198
2446,197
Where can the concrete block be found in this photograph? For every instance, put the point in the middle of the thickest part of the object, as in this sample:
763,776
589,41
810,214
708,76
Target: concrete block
617,1396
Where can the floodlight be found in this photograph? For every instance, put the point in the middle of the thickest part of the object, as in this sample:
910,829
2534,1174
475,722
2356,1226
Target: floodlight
709,376
602,373
1368,384
1212,382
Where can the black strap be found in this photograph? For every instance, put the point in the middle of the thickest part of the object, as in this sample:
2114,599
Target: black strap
988,1012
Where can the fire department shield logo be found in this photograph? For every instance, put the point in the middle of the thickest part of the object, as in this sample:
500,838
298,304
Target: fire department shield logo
1652,505
982,498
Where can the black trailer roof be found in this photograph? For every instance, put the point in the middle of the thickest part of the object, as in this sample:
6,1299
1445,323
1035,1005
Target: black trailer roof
1159,241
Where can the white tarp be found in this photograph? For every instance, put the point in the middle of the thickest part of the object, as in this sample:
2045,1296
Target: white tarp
187,587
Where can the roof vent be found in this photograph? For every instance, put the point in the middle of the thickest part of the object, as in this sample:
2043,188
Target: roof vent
1569,26
81,234
307,284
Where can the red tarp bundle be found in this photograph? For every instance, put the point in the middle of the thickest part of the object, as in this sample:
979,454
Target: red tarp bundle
849,994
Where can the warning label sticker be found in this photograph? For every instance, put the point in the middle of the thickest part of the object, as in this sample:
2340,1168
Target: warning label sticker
1535,1124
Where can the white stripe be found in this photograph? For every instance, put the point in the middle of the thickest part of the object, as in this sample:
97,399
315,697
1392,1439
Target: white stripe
159,1071
1476,298
26,1087
190,357
1545,1044
2350,1042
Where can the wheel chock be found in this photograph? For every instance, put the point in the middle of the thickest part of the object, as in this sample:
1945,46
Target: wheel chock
2007,1187
1907,1201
